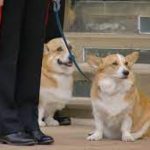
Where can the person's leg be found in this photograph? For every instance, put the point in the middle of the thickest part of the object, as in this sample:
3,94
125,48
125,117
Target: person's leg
51,27
9,47
11,131
29,69
29,64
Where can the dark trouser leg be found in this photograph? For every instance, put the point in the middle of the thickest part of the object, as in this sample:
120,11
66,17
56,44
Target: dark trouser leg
51,28
9,47
29,64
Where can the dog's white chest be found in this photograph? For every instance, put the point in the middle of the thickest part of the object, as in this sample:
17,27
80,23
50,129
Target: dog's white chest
112,105
112,96
109,86
63,91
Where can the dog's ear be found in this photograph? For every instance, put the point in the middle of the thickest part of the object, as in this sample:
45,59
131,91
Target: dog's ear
46,49
69,45
94,61
132,58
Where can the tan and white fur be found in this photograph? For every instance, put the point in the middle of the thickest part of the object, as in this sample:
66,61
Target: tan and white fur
120,111
56,81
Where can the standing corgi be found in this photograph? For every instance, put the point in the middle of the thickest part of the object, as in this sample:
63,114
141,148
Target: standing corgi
120,112
56,81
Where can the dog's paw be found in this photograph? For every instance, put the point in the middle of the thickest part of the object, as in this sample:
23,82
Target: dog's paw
51,122
127,137
96,136
42,123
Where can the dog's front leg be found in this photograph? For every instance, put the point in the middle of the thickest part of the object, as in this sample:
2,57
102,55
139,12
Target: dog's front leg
98,133
50,121
126,129
41,112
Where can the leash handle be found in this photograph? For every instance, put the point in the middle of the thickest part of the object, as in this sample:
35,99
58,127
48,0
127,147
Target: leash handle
57,6
56,10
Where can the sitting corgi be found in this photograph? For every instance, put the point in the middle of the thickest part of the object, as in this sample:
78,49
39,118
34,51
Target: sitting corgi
120,112
56,81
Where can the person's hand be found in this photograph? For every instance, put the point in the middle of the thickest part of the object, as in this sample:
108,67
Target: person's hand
58,3
1,2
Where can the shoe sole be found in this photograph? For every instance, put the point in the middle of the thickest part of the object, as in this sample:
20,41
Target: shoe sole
17,144
46,142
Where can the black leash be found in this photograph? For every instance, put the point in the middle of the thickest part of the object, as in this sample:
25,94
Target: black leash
56,10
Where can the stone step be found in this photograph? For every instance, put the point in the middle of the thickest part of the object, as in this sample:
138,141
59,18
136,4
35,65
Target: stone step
78,108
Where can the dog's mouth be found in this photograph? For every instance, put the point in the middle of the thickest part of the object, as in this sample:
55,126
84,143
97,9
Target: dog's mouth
122,77
125,77
68,64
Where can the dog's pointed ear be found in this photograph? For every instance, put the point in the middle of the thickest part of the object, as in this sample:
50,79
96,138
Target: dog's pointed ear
132,58
94,61
46,49
69,45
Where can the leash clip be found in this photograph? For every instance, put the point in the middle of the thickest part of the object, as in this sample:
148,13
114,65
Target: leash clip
56,4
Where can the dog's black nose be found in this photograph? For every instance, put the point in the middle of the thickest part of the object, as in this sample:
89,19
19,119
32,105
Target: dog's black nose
70,58
126,72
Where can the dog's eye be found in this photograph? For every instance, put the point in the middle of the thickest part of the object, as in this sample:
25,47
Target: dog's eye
115,63
126,63
59,49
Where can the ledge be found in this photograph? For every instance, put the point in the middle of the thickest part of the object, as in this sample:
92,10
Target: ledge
105,35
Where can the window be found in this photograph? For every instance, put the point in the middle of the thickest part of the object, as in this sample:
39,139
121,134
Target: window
144,25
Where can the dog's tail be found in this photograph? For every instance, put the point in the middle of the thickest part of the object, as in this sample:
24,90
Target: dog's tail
142,131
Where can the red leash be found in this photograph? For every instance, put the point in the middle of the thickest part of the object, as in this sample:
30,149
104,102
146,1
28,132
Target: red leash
49,2
0,14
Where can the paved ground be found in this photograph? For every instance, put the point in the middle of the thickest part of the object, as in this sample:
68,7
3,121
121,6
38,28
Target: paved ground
73,138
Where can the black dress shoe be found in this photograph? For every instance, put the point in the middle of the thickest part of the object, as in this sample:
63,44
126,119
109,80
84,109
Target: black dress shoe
63,120
18,138
41,138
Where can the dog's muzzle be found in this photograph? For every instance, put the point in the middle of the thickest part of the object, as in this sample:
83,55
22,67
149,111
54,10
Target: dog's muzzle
125,74
68,63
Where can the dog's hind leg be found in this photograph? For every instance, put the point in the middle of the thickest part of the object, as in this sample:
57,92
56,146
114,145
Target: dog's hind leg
143,130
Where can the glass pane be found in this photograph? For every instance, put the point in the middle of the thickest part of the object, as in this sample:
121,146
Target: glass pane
144,24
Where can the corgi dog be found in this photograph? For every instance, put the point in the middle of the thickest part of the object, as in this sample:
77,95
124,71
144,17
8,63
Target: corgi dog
56,81
119,110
